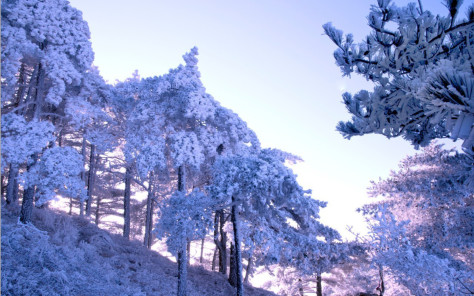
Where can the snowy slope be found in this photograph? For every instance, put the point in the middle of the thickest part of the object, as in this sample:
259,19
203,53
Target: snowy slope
64,255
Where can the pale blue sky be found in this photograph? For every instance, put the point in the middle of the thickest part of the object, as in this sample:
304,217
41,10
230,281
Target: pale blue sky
269,62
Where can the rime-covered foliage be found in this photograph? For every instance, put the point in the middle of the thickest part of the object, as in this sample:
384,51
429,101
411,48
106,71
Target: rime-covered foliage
183,218
49,35
277,217
66,132
21,139
423,71
175,119
57,172
422,231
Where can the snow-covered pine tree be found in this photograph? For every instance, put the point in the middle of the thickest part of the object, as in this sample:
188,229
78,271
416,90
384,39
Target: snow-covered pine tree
432,193
422,67
45,52
265,196
176,126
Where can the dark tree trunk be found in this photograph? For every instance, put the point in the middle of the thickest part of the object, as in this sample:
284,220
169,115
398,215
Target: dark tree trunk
381,286
319,286
201,258
248,270
39,92
70,206
29,104
220,239
126,203
232,267
149,213
188,249
90,180
182,255
83,173
300,289
4,187
28,196
214,258
97,211
21,85
182,273
238,254
12,186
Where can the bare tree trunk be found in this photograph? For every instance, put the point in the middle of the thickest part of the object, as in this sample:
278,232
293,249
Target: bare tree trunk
4,187
126,203
12,186
232,267
83,173
220,239
319,286
182,273
70,206
21,85
300,289
97,211
248,270
81,208
188,249
182,255
90,180
214,257
238,254
149,212
28,196
381,286
201,258
39,92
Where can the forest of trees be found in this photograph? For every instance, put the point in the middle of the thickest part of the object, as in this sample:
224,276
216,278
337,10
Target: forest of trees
67,134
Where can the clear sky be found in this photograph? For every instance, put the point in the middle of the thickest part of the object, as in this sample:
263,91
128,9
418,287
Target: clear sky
268,61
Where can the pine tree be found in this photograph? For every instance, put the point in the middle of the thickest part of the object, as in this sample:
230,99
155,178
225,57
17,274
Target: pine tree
423,72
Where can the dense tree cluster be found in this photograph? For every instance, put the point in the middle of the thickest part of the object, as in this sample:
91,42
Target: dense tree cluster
67,134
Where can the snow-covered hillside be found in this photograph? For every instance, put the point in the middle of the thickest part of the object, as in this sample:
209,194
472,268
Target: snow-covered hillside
62,255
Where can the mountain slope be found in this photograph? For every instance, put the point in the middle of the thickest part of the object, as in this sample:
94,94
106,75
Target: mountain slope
63,255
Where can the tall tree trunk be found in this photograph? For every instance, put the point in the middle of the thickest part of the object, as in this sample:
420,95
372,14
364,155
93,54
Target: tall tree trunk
12,186
4,187
97,211
28,196
21,86
70,206
29,191
39,92
90,180
149,213
126,203
83,173
248,270
182,272
29,100
220,239
201,257
232,267
214,257
182,255
238,254
381,286
188,249
319,286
